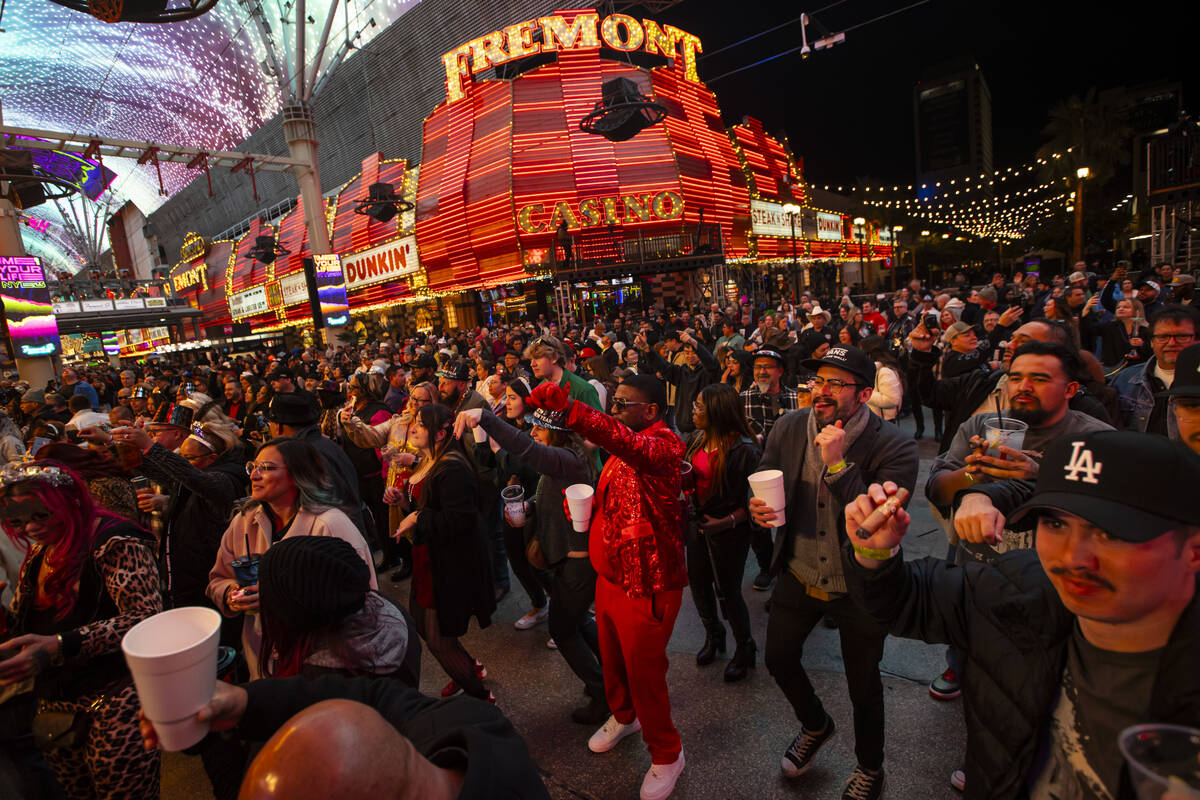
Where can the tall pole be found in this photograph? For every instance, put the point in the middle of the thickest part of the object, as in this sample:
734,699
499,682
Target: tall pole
795,261
1077,251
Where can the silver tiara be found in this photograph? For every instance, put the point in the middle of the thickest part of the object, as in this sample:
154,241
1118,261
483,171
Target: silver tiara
13,474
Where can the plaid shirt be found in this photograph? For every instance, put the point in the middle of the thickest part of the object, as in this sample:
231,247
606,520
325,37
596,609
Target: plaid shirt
763,409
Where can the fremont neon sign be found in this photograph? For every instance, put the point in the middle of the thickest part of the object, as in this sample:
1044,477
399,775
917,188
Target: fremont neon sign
584,31
594,212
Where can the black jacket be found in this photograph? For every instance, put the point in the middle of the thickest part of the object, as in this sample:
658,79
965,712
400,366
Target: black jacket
1008,619
498,764
449,523
201,504
688,381
731,494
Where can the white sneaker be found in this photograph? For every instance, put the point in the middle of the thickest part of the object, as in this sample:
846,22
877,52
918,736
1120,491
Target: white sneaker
610,733
550,643
958,779
660,780
534,616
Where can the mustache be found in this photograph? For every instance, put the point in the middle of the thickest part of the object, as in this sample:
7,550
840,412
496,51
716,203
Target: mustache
1082,576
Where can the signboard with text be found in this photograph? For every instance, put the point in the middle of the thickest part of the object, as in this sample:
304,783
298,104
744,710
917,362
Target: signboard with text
386,262
331,289
829,226
28,311
293,288
769,219
248,303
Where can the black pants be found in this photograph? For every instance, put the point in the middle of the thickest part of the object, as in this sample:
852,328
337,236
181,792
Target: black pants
914,391
494,524
572,592
764,548
531,581
793,616
729,550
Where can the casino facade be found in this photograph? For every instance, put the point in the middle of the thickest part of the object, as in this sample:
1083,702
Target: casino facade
517,211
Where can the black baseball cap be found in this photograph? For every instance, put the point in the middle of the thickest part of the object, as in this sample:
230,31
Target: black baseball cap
1103,477
766,352
1187,374
851,359
455,371
424,361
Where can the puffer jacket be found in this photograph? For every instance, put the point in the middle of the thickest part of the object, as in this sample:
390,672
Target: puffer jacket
637,530
1008,619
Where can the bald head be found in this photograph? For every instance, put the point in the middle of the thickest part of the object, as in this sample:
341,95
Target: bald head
341,748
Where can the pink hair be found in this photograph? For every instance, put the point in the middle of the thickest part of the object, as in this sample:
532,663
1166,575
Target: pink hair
72,508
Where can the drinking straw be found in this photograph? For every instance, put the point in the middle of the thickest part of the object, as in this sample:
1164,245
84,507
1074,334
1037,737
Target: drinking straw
247,535
999,413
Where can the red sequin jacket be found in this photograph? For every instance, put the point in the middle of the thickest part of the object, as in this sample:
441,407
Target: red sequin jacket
636,538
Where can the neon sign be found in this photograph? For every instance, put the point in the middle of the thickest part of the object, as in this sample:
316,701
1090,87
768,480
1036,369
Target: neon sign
584,31
28,311
593,212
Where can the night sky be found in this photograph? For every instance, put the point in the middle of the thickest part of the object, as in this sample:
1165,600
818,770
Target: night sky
848,110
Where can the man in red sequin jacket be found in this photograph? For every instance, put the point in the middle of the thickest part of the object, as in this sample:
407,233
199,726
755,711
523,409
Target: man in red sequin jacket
636,545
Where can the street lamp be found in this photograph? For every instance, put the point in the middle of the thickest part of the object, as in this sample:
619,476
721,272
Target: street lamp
861,225
793,211
896,254
1081,174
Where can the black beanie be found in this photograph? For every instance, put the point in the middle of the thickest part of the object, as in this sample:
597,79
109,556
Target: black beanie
309,582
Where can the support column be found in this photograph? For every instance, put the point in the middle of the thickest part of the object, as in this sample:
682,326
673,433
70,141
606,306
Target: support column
301,135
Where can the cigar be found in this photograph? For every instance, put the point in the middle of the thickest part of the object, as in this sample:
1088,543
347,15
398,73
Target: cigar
882,514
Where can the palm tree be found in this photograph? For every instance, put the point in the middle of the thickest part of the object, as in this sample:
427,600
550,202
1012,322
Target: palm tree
1094,133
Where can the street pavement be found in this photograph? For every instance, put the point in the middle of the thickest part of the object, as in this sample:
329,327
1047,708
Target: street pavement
734,735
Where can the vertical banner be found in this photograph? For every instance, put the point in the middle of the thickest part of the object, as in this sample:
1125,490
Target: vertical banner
331,289
28,311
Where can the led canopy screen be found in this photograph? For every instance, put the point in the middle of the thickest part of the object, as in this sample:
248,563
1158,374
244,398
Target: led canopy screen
331,289
91,177
28,311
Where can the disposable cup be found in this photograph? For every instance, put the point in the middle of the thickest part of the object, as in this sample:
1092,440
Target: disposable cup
1006,432
480,435
173,659
1162,756
767,486
579,503
514,504
687,476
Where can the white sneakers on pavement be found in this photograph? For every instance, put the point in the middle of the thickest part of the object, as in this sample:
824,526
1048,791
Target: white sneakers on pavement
660,780
534,616
610,733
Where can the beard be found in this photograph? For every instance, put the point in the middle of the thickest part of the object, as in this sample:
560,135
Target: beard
763,386
451,400
1033,415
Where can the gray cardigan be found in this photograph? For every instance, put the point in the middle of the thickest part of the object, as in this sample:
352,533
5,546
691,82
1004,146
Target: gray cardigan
559,468
880,453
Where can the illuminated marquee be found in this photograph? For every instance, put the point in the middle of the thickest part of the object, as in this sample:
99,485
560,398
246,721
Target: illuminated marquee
196,276
593,212
585,31
194,246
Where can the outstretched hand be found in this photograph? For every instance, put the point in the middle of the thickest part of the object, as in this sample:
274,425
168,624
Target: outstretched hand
466,419
548,395
223,712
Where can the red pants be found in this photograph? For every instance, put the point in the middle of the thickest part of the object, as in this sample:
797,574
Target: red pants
633,652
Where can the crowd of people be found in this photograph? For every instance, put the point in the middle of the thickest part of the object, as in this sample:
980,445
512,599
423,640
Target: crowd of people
282,489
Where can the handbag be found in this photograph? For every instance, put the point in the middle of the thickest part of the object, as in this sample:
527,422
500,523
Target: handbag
53,730
534,554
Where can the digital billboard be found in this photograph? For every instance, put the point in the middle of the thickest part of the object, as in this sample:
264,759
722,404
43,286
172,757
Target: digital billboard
331,289
28,311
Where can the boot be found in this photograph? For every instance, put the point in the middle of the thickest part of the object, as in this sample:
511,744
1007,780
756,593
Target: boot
742,661
714,642
595,712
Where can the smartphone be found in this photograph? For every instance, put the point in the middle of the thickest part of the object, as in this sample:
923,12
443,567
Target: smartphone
931,321
38,443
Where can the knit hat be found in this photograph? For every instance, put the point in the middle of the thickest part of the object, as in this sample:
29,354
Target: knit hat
309,582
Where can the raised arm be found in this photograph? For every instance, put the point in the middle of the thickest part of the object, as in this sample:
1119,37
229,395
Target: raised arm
556,461
656,455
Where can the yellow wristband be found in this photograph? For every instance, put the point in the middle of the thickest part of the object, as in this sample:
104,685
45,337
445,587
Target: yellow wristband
836,468
876,554
970,477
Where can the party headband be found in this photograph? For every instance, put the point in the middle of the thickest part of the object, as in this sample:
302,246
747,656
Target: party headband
13,474
197,434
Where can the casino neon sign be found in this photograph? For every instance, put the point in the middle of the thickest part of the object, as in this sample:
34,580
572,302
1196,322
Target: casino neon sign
583,31
593,212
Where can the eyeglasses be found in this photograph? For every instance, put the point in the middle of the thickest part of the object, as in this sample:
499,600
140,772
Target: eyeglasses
834,384
262,468
619,403
1181,338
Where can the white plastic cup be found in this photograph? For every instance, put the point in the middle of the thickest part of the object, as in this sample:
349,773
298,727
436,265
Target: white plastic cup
767,486
1006,432
173,659
514,504
1161,757
481,436
579,503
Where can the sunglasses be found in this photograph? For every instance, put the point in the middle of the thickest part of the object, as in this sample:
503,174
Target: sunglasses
620,403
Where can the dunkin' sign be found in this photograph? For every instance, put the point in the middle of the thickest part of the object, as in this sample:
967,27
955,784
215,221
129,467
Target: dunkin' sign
386,262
